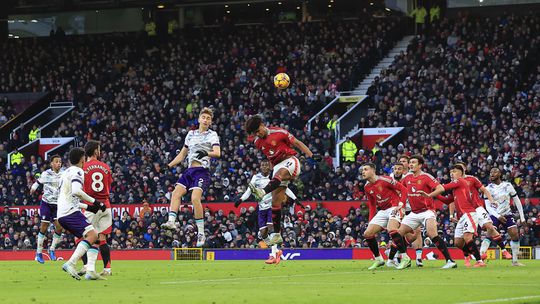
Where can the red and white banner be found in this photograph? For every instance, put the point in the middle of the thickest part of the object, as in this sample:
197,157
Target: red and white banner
47,144
371,136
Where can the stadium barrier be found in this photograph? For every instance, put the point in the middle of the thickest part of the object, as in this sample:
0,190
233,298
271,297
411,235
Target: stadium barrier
526,252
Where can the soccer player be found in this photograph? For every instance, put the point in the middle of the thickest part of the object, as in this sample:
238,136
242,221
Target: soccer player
71,218
399,171
386,198
466,210
500,211
484,221
277,144
97,184
199,146
422,211
266,226
50,180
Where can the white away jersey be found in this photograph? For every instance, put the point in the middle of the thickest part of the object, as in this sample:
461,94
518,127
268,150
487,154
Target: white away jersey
50,181
260,181
501,195
196,141
67,202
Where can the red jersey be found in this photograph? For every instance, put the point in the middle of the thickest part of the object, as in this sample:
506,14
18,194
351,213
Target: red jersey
383,194
424,182
97,180
277,145
474,185
461,195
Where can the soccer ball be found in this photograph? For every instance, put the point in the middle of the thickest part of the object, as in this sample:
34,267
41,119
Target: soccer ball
282,81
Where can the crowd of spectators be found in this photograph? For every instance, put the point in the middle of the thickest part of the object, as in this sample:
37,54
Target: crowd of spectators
308,228
140,98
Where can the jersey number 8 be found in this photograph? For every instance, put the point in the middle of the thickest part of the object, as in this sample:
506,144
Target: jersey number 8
97,182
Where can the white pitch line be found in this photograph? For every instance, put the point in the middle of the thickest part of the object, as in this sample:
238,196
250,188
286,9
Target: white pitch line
338,273
502,300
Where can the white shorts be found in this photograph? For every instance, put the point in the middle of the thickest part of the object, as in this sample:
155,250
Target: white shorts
102,220
467,223
292,165
415,220
482,216
383,216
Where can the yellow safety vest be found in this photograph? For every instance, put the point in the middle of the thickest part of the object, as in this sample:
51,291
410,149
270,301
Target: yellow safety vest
349,150
16,158
33,135
331,125
434,13
150,28
420,14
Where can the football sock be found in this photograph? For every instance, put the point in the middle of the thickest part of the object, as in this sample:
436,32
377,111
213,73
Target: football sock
500,242
515,250
441,245
92,257
276,219
81,249
84,259
393,251
272,185
473,249
200,225
372,244
172,216
419,254
40,239
55,240
399,241
485,245
105,254
274,250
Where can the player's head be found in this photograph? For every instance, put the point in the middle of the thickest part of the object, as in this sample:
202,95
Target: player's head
368,170
416,162
265,167
398,169
255,126
205,118
463,165
404,160
456,171
495,174
76,157
56,162
92,149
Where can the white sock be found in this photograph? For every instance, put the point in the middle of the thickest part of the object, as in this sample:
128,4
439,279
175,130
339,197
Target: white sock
81,249
485,246
274,251
379,258
172,216
200,226
92,255
419,254
40,239
515,250
55,241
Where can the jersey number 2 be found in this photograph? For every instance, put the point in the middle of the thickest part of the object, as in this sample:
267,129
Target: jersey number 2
97,182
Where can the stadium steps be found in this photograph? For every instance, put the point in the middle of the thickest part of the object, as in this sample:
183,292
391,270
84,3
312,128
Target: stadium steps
401,46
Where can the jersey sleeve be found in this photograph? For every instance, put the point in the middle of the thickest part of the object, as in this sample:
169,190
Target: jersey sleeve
431,181
451,185
398,187
187,140
477,183
290,138
511,190
78,177
214,139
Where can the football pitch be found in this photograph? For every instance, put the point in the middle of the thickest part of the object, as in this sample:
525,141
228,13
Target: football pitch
254,282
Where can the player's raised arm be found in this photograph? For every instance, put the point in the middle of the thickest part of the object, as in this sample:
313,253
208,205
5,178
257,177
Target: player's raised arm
216,151
302,147
517,202
179,158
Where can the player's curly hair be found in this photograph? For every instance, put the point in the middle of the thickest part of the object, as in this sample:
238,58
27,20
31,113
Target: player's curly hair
91,147
207,110
253,123
75,155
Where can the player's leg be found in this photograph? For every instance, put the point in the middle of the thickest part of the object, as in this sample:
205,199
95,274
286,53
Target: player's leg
57,236
514,244
417,245
278,199
176,198
432,233
370,237
468,239
498,238
104,227
46,218
198,214
283,172
408,225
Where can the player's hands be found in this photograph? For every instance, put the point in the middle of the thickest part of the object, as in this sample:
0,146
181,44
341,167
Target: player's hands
453,219
502,219
422,193
32,191
400,205
200,154
94,208
237,203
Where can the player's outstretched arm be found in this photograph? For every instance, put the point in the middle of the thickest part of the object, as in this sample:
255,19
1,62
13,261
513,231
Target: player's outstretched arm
440,190
519,207
216,152
302,147
34,187
179,158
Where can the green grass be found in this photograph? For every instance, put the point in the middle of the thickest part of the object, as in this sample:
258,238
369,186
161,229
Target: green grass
254,282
